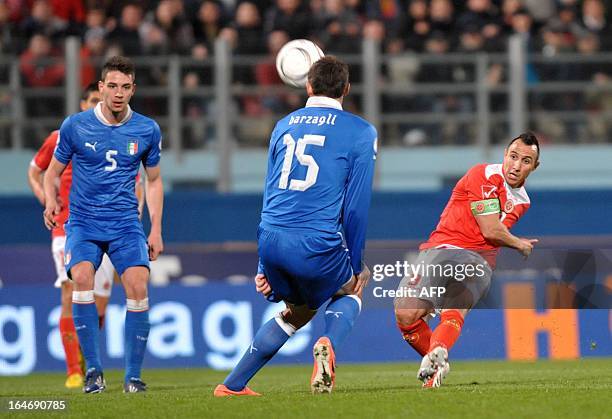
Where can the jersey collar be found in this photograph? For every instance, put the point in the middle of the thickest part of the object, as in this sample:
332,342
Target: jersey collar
322,102
102,118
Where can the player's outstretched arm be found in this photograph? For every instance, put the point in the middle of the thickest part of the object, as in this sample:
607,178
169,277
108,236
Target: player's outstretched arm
35,179
154,196
52,208
495,232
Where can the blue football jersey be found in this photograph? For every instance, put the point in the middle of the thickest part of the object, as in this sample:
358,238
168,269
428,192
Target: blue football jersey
105,160
320,171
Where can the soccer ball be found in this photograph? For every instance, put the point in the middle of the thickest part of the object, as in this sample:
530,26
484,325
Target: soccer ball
295,59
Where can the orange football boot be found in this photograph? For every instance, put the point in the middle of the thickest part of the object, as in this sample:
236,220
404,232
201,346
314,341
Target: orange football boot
324,371
222,391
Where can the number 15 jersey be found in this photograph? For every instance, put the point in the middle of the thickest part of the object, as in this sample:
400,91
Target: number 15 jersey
105,160
320,171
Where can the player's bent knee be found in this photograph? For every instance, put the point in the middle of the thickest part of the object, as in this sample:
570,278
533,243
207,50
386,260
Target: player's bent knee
406,317
82,275
135,281
296,317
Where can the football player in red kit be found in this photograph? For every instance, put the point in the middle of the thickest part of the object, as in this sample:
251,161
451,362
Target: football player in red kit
486,202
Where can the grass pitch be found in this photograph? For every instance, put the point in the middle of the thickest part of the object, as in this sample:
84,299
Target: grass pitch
545,389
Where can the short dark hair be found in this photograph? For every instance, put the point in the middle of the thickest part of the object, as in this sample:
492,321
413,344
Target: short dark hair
118,63
528,138
329,77
91,87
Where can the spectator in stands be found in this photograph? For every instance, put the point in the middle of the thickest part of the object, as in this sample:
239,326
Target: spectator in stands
522,24
209,23
248,40
8,31
127,31
194,134
40,64
42,21
441,16
92,53
248,27
556,39
17,10
508,8
486,17
266,75
71,13
414,26
339,28
165,30
594,19
291,16
436,72
95,20
567,22
200,53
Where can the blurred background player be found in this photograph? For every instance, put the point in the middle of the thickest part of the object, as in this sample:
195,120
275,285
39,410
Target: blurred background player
107,145
318,187
484,205
104,275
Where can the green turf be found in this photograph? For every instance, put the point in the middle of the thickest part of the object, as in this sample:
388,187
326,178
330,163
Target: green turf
562,389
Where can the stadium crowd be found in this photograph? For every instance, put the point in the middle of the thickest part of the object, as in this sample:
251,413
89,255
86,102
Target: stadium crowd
34,30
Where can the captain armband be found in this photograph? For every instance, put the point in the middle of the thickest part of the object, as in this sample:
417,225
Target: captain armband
485,207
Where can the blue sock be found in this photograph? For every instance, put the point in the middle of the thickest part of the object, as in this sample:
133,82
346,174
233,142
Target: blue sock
85,318
136,335
268,340
340,316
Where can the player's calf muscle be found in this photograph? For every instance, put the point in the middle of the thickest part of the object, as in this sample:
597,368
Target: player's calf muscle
67,299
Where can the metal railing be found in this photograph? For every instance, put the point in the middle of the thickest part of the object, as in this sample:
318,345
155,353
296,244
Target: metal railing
218,104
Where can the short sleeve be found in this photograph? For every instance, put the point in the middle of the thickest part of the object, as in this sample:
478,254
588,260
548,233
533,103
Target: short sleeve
153,155
42,159
482,193
65,146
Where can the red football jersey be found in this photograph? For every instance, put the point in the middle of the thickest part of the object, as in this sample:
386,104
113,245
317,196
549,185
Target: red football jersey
481,191
42,159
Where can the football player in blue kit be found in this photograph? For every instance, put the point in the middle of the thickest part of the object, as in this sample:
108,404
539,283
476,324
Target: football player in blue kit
313,226
106,146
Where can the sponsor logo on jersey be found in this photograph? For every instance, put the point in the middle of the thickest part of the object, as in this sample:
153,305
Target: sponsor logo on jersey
67,258
132,147
91,145
487,191
509,206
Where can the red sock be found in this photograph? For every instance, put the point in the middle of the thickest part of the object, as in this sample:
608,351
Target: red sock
70,341
417,335
448,331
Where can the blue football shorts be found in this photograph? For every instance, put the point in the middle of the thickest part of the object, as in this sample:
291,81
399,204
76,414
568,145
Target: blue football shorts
123,241
303,268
